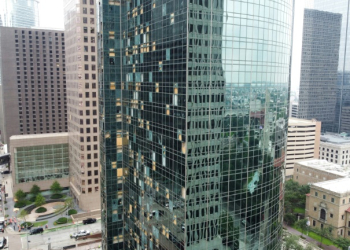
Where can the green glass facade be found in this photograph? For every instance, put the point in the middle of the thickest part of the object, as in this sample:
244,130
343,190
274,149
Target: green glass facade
38,163
193,106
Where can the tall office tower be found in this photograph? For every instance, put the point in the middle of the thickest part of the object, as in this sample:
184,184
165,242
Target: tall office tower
32,82
343,84
319,62
82,102
19,13
193,115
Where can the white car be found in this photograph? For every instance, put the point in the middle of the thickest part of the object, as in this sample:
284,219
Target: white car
3,242
80,234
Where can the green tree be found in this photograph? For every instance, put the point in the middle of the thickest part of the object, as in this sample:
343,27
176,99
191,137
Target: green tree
343,243
35,190
325,232
292,242
56,188
302,225
294,195
20,195
39,200
289,219
310,246
69,203
22,214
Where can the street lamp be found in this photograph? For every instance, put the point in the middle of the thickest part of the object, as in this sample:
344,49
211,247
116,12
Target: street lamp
307,225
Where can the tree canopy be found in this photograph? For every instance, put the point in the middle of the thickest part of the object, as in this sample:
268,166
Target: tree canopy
22,214
302,225
40,200
294,195
35,190
343,243
20,194
56,187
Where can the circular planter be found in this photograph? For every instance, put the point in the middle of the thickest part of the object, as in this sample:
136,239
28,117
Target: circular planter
56,196
27,224
40,210
72,211
62,220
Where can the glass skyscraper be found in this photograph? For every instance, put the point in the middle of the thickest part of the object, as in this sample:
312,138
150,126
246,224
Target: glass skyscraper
19,13
193,118
342,109
319,67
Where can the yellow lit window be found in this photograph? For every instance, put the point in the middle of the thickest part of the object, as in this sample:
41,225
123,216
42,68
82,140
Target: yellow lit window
112,85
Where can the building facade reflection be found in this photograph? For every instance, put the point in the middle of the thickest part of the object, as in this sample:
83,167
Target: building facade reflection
194,98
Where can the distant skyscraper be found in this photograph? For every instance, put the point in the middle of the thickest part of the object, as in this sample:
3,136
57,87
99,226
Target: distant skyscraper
319,62
19,13
32,82
82,102
343,85
293,111
193,120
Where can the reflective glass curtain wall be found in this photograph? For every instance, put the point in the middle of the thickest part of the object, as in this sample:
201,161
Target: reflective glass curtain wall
193,105
343,83
19,13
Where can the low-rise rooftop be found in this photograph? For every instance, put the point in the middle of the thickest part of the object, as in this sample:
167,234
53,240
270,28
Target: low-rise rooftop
326,166
302,122
35,136
335,138
340,185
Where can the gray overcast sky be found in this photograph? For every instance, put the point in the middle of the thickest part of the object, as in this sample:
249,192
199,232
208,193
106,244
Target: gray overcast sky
51,14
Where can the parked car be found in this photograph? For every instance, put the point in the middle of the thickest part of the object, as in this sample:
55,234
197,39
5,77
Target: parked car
3,242
80,234
1,228
37,230
89,221
5,172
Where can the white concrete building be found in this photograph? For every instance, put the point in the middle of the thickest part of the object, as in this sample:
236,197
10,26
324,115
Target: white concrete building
335,148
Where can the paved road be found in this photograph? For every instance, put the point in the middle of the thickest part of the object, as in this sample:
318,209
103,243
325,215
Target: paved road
58,238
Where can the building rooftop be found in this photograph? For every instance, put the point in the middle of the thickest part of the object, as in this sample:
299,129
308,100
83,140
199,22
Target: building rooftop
296,121
36,136
338,185
335,138
326,166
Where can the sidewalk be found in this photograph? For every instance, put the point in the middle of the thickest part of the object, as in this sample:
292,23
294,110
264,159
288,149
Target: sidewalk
92,246
307,238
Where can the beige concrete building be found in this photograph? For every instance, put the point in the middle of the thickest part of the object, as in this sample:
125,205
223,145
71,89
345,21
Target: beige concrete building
82,102
335,148
303,142
39,159
315,170
328,204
